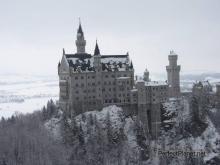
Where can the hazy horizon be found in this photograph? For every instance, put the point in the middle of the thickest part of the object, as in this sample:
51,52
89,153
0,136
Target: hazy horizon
33,33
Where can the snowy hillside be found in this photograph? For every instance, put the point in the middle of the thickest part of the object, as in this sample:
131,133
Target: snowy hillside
110,132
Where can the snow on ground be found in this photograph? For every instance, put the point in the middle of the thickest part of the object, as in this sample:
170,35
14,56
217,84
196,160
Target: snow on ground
26,93
117,120
53,125
208,142
115,114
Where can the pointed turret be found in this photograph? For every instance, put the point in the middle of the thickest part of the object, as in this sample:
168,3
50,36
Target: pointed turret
63,51
131,66
80,41
80,31
96,51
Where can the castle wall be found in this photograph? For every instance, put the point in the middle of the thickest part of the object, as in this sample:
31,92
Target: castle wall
155,119
87,91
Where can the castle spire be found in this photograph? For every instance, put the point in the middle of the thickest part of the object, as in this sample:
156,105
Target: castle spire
80,41
63,51
97,51
131,66
80,31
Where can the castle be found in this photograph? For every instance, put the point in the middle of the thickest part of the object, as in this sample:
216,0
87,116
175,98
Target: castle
90,82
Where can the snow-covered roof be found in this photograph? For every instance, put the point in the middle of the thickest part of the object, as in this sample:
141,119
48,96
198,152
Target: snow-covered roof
122,78
63,81
84,62
140,81
134,90
202,84
155,83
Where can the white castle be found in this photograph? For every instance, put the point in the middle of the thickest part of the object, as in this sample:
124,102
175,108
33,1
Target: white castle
90,82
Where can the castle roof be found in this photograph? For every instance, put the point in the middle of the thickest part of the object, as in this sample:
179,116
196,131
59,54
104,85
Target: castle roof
84,62
80,29
202,84
156,83
96,51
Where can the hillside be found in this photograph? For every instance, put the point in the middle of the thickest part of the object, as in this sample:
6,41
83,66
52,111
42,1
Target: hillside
108,137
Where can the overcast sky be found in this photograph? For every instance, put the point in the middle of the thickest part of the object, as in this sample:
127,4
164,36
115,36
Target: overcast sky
33,32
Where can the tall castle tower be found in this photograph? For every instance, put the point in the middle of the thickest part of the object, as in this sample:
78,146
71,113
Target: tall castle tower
80,41
173,75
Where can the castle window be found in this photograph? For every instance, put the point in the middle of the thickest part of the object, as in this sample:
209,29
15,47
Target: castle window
82,85
105,83
77,85
106,76
88,77
114,89
125,75
77,92
109,82
76,78
93,84
77,98
93,77
93,90
109,89
127,82
113,83
113,76
103,89
82,77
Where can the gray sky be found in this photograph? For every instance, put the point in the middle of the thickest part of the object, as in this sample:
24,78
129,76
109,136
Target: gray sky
33,32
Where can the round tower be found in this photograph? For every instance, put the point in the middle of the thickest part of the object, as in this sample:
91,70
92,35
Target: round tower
173,76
